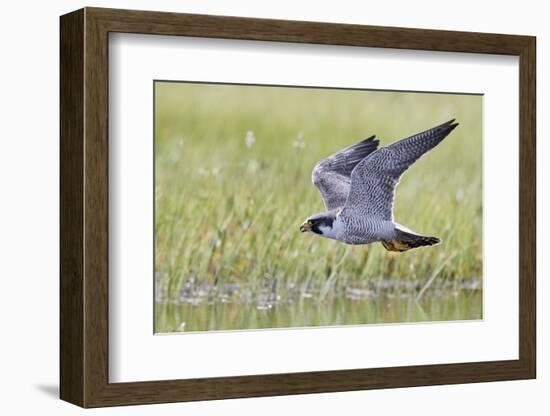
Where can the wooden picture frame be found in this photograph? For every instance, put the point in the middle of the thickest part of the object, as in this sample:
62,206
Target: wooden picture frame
84,207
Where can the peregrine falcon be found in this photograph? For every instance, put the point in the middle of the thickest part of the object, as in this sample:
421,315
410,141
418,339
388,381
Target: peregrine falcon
357,185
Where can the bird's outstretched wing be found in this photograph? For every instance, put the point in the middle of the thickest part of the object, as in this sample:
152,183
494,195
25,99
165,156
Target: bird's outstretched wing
374,179
331,176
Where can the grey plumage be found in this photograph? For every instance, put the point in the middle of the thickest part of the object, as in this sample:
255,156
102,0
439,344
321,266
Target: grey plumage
375,178
358,185
331,176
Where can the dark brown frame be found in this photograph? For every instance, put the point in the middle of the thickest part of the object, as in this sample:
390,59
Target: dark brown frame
84,207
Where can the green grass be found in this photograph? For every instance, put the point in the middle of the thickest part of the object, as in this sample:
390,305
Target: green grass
229,254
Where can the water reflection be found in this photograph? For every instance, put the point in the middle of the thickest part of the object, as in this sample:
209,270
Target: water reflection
202,306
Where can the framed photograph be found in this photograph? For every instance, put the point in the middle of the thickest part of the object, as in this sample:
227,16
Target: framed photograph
254,207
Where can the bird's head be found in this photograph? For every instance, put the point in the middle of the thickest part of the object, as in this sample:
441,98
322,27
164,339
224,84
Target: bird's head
321,224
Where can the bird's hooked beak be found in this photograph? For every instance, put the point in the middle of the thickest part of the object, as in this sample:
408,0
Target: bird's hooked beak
306,226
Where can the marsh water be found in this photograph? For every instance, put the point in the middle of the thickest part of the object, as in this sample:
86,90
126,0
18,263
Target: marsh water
203,307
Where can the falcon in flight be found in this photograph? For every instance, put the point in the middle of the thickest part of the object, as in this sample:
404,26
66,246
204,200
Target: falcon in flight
357,185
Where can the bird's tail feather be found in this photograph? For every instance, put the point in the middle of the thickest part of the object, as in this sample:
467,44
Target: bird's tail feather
406,240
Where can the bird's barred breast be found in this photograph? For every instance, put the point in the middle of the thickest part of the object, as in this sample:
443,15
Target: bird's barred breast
357,229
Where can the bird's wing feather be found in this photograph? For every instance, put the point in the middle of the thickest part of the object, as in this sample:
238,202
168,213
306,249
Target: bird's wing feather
374,179
331,176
